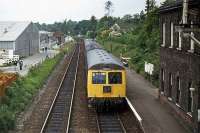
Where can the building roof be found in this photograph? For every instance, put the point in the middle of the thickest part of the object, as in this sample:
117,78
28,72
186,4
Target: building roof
177,5
101,57
10,30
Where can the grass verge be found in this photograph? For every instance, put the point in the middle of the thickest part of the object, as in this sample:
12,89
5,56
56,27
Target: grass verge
20,94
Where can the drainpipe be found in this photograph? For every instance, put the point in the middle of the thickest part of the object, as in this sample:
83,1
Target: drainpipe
185,21
185,11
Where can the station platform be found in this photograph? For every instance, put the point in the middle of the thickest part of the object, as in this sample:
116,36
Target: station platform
156,117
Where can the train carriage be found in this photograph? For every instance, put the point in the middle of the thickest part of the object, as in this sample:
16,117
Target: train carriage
106,76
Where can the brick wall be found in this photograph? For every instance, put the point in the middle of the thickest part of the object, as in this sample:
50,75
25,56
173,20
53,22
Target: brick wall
180,64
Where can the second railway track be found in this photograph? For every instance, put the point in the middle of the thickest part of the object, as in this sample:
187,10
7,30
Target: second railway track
110,122
58,116
122,120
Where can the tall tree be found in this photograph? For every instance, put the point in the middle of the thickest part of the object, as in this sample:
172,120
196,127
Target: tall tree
150,5
93,24
108,8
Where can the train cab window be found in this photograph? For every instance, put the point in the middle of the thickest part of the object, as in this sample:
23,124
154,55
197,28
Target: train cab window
99,78
115,77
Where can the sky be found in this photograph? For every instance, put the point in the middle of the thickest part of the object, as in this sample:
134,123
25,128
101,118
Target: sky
49,11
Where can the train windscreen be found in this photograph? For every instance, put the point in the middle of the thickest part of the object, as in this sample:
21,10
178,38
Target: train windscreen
99,78
115,78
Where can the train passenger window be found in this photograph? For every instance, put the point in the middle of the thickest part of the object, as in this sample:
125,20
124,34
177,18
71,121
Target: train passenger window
115,77
99,78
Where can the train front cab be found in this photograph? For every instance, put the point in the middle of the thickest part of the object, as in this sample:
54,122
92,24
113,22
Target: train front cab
107,85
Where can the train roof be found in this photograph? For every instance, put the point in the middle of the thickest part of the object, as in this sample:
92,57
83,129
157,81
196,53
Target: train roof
100,59
90,45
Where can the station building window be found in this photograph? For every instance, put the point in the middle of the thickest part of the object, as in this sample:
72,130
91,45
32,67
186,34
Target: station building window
163,34
162,80
115,78
172,35
190,98
178,93
179,41
170,86
192,41
99,78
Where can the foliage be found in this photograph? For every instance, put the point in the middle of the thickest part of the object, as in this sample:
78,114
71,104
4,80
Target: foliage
140,41
21,92
93,27
150,5
167,2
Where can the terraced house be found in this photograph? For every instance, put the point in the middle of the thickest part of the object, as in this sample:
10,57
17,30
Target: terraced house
180,61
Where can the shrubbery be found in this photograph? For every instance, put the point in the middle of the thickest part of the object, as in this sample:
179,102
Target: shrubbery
141,44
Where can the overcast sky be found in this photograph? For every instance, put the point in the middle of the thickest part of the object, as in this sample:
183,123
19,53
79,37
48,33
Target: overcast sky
49,11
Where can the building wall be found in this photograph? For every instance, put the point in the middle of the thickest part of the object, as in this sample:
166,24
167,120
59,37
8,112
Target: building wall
4,45
28,42
180,64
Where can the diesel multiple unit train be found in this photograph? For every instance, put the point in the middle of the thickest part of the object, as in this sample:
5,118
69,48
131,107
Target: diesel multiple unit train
106,76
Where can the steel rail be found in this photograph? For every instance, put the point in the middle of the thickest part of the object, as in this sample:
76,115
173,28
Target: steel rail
98,127
57,93
121,123
71,105
112,124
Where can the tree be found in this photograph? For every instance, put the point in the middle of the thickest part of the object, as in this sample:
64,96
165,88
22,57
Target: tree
127,18
93,26
166,2
150,5
108,8
105,23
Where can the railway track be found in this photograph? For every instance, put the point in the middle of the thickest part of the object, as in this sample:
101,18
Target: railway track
82,118
58,117
124,120
110,122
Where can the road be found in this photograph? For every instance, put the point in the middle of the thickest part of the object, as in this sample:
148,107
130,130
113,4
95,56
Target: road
144,96
29,62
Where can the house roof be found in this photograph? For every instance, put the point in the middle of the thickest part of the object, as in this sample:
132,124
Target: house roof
10,30
177,5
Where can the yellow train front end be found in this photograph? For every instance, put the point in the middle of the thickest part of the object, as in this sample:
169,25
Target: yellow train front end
106,86
106,77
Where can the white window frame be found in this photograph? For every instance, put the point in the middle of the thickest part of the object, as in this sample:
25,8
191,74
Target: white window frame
163,80
163,34
191,41
192,102
179,41
179,88
171,81
172,35
163,75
